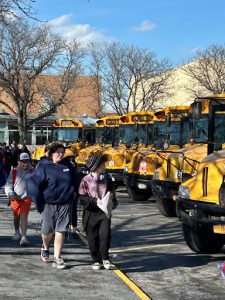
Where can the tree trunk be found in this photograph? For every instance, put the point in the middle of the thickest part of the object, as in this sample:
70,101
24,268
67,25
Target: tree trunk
22,128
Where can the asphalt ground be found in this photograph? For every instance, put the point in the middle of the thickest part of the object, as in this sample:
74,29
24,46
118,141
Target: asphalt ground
146,246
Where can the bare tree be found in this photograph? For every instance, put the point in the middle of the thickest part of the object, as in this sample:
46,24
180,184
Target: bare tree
14,8
27,55
95,63
132,78
207,71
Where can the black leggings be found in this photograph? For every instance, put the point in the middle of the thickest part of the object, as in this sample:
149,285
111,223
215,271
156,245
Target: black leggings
99,235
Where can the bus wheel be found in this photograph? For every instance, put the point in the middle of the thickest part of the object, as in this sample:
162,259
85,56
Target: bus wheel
167,207
137,194
202,241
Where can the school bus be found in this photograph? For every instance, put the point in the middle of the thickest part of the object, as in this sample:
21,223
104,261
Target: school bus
74,133
180,166
106,136
201,199
135,132
170,131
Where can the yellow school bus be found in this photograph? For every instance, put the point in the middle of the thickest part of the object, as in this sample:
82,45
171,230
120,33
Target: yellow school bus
181,165
201,199
170,132
135,133
74,133
106,135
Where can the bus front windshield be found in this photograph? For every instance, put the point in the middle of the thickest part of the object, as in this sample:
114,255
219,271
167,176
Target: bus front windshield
220,128
200,129
175,135
106,135
159,128
67,134
132,134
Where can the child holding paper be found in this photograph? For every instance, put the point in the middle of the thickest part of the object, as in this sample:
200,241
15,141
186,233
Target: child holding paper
97,222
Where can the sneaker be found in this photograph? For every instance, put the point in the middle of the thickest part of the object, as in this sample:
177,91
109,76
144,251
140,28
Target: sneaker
16,236
24,241
44,254
58,263
96,266
221,267
106,264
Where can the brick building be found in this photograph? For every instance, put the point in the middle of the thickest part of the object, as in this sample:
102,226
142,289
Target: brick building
81,100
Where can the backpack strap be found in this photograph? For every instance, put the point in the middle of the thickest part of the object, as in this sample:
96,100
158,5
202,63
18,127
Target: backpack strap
14,171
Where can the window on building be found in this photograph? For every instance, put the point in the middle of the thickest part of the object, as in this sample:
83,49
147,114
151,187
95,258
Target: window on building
2,136
41,138
2,125
14,136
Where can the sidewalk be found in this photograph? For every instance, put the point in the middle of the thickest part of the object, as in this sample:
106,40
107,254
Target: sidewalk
24,276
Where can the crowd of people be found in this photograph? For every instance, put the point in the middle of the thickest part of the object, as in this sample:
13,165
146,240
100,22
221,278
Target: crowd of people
55,187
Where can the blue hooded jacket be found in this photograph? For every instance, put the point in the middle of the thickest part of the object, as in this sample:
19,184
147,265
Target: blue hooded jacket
50,183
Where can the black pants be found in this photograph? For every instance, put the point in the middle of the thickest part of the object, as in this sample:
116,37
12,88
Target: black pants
74,212
99,235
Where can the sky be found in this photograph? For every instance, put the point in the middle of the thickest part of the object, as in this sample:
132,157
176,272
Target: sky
173,29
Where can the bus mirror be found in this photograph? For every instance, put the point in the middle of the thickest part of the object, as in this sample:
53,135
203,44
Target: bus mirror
160,142
166,145
197,110
168,120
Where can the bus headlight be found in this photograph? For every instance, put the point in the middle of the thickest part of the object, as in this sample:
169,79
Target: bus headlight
184,192
156,175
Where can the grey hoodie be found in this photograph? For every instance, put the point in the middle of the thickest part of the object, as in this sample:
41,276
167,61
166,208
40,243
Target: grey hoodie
18,190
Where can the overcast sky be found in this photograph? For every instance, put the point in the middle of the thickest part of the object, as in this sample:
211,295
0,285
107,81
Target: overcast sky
172,28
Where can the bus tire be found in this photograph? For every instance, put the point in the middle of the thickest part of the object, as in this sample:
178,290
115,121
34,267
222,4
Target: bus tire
138,195
167,207
202,242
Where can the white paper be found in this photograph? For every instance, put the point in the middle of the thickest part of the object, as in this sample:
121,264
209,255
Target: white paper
106,205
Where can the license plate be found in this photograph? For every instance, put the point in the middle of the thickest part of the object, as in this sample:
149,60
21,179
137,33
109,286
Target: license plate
111,163
219,229
142,186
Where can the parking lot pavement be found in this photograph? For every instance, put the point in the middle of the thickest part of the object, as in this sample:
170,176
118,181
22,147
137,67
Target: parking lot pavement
24,276
154,255
146,246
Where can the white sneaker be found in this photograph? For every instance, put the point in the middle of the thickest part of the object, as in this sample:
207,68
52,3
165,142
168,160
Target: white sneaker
106,264
16,236
24,241
96,266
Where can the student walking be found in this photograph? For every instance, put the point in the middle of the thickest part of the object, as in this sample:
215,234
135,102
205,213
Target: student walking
69,161
96,223
51,188
16,190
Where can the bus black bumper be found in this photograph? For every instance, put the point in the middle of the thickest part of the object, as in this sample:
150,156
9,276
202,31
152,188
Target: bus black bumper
200,215
142,182
165,189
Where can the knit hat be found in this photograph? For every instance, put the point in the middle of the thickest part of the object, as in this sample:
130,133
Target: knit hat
94,161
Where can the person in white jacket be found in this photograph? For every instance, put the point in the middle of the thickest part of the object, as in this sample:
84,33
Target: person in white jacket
16,190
